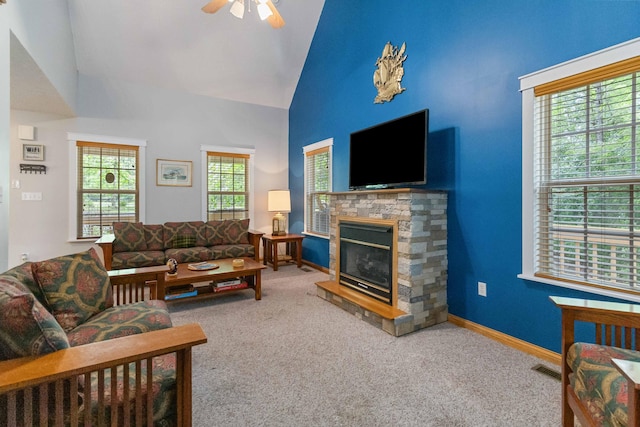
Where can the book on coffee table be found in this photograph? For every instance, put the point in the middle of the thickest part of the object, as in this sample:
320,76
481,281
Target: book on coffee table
200,266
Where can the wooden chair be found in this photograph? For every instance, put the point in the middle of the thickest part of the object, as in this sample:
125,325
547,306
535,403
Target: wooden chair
55,389
616,325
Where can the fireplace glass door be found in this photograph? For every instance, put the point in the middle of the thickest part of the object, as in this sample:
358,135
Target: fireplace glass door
366,259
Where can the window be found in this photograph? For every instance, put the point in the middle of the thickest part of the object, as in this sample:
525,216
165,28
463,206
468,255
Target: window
585,179
317,186
227,186
107,187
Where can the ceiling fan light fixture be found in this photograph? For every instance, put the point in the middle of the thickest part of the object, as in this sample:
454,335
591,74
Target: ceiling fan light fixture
263,11
237,9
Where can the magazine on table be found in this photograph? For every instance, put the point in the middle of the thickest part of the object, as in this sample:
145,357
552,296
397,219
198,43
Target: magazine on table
204,265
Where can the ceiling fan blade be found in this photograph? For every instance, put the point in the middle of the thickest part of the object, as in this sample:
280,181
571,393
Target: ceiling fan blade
275,20
213,6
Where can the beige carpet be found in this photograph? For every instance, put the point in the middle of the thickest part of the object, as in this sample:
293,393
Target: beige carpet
293,359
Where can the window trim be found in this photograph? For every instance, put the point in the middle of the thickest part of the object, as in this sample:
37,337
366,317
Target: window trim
325,143
583,64
72,138
204,149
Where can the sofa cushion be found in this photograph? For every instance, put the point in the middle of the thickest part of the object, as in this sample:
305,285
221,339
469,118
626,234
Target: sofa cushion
122,320
26,327
122,260
194,254
174,231
75,286
228,232
154,234
232,251
129,236
597,383
25,276
212,234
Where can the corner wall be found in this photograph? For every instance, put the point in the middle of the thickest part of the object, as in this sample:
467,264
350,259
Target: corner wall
463,63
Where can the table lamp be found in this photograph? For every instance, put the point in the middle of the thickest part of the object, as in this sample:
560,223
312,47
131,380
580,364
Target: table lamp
279,201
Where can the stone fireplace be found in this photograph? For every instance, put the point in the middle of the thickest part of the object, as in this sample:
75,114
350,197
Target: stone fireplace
395,276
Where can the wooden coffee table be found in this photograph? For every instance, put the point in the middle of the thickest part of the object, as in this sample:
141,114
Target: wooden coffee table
250,272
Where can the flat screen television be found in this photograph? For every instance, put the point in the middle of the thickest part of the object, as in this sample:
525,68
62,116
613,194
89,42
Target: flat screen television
390,154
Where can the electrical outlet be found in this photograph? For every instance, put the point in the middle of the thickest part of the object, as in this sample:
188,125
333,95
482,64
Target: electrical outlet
24,257
482,289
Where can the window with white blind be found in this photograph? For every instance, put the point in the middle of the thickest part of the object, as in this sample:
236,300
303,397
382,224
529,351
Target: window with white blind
107,187
227,185
317,186
585,171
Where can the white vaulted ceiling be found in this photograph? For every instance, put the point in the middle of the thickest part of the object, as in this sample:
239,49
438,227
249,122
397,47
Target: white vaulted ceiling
172,44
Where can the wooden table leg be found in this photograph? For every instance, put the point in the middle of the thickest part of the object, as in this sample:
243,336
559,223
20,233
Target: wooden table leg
265,253
258,286
275,256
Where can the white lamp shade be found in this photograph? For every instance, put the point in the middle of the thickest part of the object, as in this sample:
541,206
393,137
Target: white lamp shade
279,201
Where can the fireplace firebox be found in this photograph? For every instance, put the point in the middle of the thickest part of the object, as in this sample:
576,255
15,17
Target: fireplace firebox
366,259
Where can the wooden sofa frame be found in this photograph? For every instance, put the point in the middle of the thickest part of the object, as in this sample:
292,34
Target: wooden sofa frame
616,324
54,377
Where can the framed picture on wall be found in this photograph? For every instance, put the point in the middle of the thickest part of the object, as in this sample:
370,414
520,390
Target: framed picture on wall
175,173
32,152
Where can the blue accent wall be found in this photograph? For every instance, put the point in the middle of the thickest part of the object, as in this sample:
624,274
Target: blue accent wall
463,63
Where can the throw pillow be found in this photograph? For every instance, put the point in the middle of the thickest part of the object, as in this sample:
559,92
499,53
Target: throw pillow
186,228
129,237
75,286
26,327
184,242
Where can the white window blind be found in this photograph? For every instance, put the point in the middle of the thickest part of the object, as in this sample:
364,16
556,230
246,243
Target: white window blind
317,188
227,186
587,178
108,189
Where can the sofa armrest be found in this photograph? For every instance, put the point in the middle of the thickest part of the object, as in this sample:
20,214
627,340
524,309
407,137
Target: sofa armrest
106,244
62,370
130,284
631,372
254,239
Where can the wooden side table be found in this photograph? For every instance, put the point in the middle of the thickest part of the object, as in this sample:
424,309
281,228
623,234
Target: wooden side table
293,251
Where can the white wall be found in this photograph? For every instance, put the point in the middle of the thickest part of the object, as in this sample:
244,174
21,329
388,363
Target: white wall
4,138
44,30
174,124
39,228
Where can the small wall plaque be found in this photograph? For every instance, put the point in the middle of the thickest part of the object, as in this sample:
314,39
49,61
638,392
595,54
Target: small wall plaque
32,152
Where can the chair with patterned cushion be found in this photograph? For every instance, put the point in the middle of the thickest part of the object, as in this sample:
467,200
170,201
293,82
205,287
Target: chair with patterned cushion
601,375
91,346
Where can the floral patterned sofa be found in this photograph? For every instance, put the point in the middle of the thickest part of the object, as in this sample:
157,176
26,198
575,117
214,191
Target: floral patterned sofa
134,245
66,348
601,375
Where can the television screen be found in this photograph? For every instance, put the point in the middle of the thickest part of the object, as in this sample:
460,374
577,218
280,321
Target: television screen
391,154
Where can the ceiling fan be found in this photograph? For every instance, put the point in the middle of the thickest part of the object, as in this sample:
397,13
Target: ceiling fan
266,10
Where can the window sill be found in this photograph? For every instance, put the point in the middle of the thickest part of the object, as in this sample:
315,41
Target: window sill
319,236
612,293
91,241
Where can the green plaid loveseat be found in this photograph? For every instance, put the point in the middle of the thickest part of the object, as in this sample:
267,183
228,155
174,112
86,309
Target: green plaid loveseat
134,245
79,346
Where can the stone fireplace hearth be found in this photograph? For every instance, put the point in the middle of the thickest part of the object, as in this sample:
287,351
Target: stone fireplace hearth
420,250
